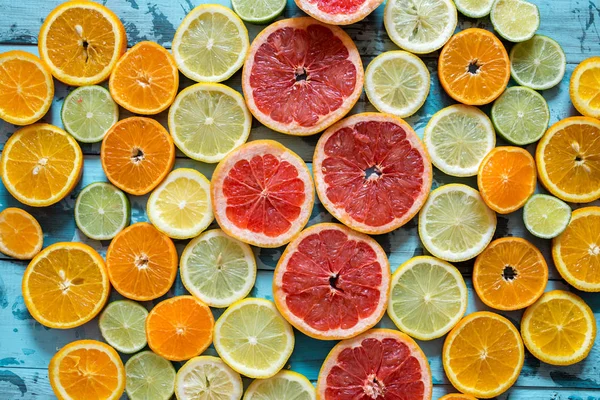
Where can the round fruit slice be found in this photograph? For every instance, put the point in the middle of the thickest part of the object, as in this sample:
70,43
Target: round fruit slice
208,378
546,216
149,377
137,154
218,269
66,285
576,251
301,76
263,194
21,236
559,329
81,41
84,367
585,87
101,211
141,262
568,159
26,88
458,138
378,364
258,11
123,326
474,8
332,283
253,338
372,172
455,224
538,63
427,297
483,355
458,396
515,20
474,68
284,385
179,328
338,12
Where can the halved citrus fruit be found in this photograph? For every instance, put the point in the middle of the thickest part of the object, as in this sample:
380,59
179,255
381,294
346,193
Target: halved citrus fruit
207,378
301,76
474,68
585,87
81,41
21,235
332,283
379,364
285,385
372,172
338,12
137,154
262,194
457,396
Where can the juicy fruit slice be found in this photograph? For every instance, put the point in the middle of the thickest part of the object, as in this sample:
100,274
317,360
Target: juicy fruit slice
372,172
546,216
207,378
149,377
332,283
585,87
427,297
101,211
301,76
474,8
258,11
538,63
123,326
515,20
338,12
262,193
457,396
559,329
474,68
26,88
284,385
21,236
483,355
66,285
378,364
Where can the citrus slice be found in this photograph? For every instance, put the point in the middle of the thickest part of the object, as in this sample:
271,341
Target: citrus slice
474,68
338,12
122,324
21,236
263,194
88,112
483,355
576,251
84,367
455,224
40,164
253,338
507,178
26,88
145,80
210,44
332,283
427,297
515,20
137,154
101,211
458,396
521,115
510,274
568,159
81,41
372,172
397,82
458,138
149,377
538,63
180,206
301,76
218,269
585,87
284,385
546,216
474,8
559,329
208,120
179,328
258,11
208,378
380,363
65,285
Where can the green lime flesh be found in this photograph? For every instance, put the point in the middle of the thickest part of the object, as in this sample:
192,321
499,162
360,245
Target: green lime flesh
538,63
474,8
149,377
123,326
546,216
101,211
258,11
515,20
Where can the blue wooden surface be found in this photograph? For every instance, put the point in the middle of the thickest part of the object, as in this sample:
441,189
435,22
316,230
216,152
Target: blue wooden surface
26,346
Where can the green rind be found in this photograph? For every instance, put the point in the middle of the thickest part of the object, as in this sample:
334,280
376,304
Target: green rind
127,211
109,338
559,203
166,371
468,13
260,20
549,84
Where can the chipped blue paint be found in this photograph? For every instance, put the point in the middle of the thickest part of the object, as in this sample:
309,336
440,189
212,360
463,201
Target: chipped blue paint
27,351
3,296
9,361
19,310
15,380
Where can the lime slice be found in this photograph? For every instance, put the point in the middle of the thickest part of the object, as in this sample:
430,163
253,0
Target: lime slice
253,338
207,378
101,211
218,269
210,44
397,82
88,112
285,385
258,11
123,326
458,138
515,20
521,115
420,26
546,216
208,120
538,63
149,377
474,8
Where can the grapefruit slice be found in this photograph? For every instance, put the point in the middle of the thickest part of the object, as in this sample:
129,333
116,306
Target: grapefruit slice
338,12
262,194
332,283
301,76
372,172
381,364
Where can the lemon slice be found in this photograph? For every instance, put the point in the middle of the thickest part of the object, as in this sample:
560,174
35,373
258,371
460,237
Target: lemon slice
207,378
474,8
285,385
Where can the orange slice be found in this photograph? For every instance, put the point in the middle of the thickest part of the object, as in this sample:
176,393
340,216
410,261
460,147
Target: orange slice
457,396
21,235
585,87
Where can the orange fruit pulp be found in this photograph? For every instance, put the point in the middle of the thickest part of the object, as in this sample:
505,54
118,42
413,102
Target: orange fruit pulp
21,235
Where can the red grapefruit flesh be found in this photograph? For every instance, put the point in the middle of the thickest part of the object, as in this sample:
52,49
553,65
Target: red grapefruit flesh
338,12
380,364
372,172
332,283
301,76
262,194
